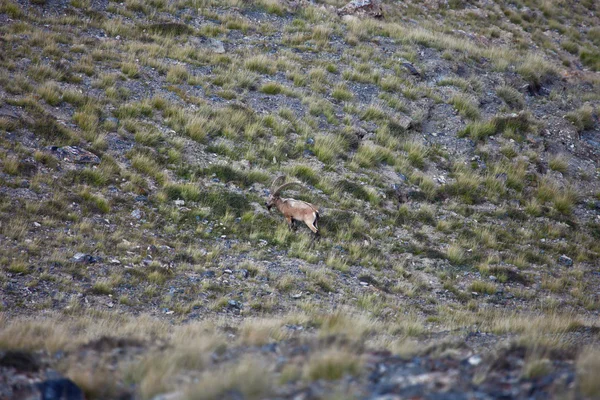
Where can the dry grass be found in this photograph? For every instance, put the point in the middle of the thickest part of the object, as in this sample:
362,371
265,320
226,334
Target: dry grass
332,364
588,366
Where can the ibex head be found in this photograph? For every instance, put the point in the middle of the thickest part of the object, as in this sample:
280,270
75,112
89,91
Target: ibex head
276,190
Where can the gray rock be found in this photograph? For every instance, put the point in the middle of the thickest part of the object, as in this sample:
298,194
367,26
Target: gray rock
84,258
60,389
404,122
475,360
371,8
137,214
234,304
75,154
216,46
412,69
565,261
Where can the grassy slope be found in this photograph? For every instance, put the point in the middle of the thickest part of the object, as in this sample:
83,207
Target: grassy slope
507,179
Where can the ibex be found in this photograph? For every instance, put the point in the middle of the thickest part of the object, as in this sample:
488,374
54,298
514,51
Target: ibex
293,210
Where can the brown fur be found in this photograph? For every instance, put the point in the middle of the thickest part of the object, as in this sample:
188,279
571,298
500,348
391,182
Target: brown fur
294,210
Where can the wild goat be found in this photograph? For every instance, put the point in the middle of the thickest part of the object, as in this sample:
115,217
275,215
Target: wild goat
293,210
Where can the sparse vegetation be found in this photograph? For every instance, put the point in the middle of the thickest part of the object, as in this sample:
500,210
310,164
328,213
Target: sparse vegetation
450,149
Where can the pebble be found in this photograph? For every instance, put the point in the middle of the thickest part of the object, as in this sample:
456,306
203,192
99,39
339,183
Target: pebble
137,214
475,360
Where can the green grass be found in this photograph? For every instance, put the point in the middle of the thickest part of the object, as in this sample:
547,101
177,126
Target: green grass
416,153
536,70
51,94
332,365
455,254
261,64
177,74
559,163
483,287
341,93
466,106
511,96
479,130
328,147
271,88
582,118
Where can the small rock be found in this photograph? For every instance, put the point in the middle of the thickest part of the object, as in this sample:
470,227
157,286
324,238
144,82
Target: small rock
297,295
179,203
565,261
371,8
244,273
234,304
216,46
170,396
37,224
475,360
412,69
404,122
228,271
137,214
208,274
84,258
60,389
493,278
75,154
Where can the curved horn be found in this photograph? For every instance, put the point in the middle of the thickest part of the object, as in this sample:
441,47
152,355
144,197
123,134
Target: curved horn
277,181
285,185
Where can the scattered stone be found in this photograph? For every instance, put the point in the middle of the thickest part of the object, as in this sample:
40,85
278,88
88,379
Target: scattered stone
74,154
369,8
208,274
493,278
412,69
60,389
84,258
137,214
216,46
244,273
403,122
297,295
565,261
234,304
170,396
475,360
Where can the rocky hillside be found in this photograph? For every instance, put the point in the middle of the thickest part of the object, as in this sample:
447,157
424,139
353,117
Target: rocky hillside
452,147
